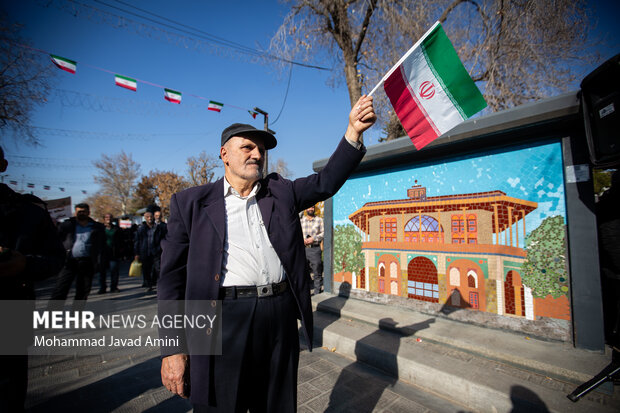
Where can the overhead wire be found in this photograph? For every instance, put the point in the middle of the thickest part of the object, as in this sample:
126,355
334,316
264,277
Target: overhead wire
207,37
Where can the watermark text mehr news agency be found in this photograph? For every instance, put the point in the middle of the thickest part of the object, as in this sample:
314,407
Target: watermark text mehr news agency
87,320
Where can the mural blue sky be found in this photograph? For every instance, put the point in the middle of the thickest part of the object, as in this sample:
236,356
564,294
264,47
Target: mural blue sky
533,174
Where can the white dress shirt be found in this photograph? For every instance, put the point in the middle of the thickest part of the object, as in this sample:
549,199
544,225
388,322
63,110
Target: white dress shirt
249,257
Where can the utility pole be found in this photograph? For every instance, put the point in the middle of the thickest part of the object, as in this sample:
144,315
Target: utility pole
266,119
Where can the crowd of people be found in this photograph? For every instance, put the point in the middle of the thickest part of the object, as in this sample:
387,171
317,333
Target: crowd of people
257,266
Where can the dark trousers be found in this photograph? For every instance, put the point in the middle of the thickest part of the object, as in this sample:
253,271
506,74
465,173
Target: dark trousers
79,269
313,256
258,368
112,265
150,269
13,383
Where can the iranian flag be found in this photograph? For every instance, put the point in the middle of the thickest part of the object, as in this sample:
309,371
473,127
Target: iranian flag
126,82
430,90
215,106
172,96
64,64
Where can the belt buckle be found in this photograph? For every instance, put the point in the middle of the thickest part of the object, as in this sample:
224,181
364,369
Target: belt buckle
264,290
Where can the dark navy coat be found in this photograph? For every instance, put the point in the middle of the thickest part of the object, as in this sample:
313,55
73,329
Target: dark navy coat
193,249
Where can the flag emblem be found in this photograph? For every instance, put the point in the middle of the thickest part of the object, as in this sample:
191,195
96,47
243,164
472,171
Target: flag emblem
215,106
126,82
64,64
172,96
446,95
427,90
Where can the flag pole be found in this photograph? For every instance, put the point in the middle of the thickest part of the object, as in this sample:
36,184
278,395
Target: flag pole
402,59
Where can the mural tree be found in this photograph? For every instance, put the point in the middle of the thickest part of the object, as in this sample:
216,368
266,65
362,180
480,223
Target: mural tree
544,269
347,249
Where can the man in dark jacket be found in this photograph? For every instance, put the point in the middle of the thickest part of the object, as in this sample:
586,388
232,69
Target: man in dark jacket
239,240
83,239
112,253
147,247
30,250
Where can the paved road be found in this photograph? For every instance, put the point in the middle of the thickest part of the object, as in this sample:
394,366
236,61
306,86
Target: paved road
128,380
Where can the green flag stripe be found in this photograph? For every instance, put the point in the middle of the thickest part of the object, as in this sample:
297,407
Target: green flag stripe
213,102
64,59
446,65
126,78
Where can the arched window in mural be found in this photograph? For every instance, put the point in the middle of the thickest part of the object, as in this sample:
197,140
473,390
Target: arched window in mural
472,229
430,229
387,230
393,287
381,278
472,279
458,229
455,276
423,283
393,270
363,279
472,225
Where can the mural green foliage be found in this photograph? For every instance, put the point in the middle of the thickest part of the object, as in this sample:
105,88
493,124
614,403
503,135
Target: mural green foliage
544,269
347,249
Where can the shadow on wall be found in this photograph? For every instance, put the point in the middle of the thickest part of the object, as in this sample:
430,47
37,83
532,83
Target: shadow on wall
455,297
332,306
346,392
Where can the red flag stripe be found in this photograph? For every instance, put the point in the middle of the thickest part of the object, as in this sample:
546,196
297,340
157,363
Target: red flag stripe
412,115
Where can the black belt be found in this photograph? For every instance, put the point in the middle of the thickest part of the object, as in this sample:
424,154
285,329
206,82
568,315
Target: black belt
247,291
313,246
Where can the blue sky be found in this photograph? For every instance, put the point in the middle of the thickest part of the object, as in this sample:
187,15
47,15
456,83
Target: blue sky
159,134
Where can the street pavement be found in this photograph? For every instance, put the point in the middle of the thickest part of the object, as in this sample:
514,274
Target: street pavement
129,380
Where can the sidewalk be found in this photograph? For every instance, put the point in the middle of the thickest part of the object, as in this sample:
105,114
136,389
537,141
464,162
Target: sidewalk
481,368
129,381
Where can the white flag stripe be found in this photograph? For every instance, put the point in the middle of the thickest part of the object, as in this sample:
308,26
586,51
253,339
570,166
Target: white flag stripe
440,108
402,59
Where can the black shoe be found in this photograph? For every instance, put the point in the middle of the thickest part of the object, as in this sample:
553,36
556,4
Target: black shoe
101,292
115,290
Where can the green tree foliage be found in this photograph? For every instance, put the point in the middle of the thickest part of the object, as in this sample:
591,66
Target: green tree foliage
602,180
347,249
544,269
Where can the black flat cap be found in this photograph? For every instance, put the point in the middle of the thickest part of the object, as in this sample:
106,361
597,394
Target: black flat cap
245,130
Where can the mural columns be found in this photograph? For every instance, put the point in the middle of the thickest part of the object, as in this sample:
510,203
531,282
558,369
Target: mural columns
440,232
517,229
419,225
367,231
496,217
401,227
500,296
523,219
510,223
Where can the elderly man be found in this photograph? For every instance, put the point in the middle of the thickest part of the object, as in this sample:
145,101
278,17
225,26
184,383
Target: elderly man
239,240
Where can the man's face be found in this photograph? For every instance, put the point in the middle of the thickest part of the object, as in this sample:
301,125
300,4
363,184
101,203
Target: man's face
107,219
82,213
148,217
244,157
157,216
310,211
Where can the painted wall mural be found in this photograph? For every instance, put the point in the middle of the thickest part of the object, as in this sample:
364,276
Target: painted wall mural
484,232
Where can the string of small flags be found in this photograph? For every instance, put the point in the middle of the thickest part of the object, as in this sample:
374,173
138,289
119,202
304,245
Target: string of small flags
130,83
30,185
